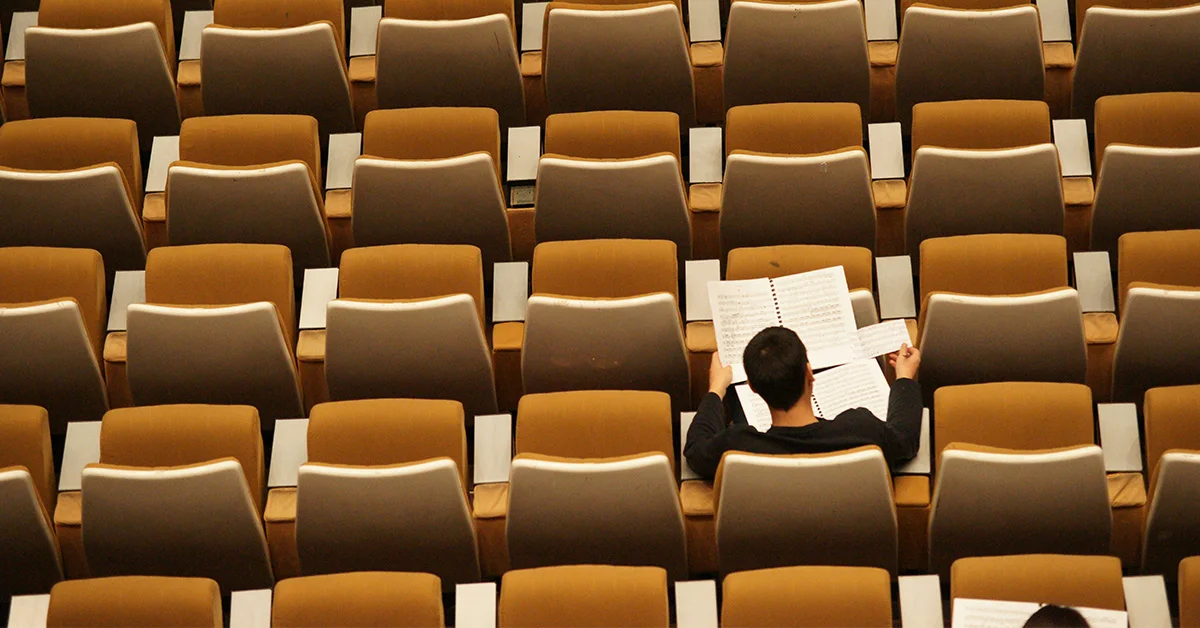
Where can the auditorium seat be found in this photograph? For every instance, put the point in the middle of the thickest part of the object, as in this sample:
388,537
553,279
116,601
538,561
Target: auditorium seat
580,596
778,52
54,311
601,465
1017,472
249,179
29,558
1172,421
278,56
997,48
135,602
796,173
73,182
104,59
218,326
612,174
1134,47
1189,592
618,55
982,166
1159,281
766,514
1147,156
177,492
1082,581
604,315
807,597
409,322
384,489
431,176
399,600
450,54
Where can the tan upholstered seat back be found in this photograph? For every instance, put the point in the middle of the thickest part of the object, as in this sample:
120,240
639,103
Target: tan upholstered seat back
176,435
432,132
595,424
967,5
1082,6
1144,188
374,432
1014,415
993,264
1066,580
1189,591
807,597
612,134
793,128
281,14
1168,119
780,261
1162,257
980,124
32,274
136,602
412,271
1155,346
1172,421
251,140
605,268
359,599
575,596
25,442
110,13
441,10
29,557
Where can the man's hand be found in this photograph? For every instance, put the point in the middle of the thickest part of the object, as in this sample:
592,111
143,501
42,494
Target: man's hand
905,361
719,376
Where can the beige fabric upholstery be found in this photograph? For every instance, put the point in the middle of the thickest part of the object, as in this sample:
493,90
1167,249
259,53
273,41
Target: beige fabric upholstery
780,261
252,140
1155,346
1173,518
265,14
196,520
980,124
605,268
96,15
768,41
383,599
1138,49
612,134
998,54
582,199
652,71
808,597
443,61
1171,419
1143,188
71,144
135,602
411,272
25,442
993,264
1087,581
991,501
962,192
29,557
1014,415
763,501
584,596
605,344
620,511
1166,120
811,199
793,128
1189,594
595,424
1165,257
429,133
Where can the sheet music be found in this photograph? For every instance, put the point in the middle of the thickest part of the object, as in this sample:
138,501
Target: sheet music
877,340
758,413
970,613
740,310
816,305
859,384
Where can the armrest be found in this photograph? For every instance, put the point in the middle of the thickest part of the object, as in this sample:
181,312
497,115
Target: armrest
706,155
921,463
310,346
881,20
533,15
129,287
289,450
344,148
696,604
508,336
1146,601
193,25
1056,20
163,152
81,449
920,602
364,30
704,197
704,21
524,151
493,448
21,20
896,292
28,611
510,291
685,469
490,501
1058,55
882,54
890,193
250,609
320,287
1093,281
474,605
1100,328
1074,153
886,145
531,64
1119,437
698,274
697,498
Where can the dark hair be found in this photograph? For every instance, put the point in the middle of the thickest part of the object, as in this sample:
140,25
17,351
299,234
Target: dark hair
1051,616
776,365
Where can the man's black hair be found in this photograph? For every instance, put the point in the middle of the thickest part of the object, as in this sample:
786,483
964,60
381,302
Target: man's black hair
1051,616
776,367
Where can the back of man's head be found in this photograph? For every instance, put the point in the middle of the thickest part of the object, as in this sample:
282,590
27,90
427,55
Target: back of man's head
776,366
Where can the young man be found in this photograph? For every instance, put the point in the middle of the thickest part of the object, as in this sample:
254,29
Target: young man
777,369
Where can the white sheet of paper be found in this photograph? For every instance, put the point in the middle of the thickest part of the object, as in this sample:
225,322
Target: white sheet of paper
81,449
758,413
510,291
28,611
475,605
533,14
859,384
493,448
129,286
740,310
344,149
971,613
163,151
189,42
920,602
685,469
320,287
21,20
699,273
696,604
524,150
816,305
364,30
289,450
877,340
250,609
920,464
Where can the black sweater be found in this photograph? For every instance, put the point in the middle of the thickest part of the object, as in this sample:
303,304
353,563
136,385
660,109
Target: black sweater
899,437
